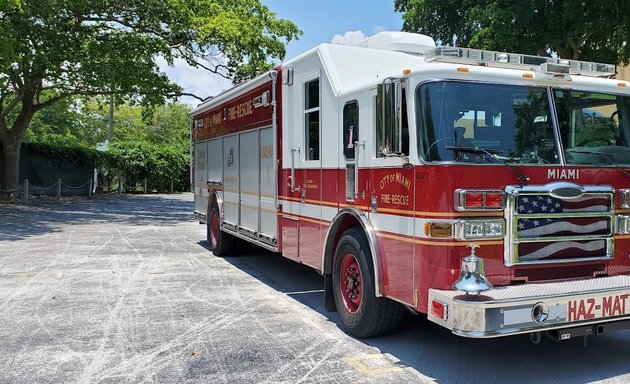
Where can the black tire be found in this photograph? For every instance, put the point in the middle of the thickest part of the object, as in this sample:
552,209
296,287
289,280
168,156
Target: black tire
371,315
221,243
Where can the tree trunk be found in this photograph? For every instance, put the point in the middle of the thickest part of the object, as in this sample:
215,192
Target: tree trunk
10,168
12,140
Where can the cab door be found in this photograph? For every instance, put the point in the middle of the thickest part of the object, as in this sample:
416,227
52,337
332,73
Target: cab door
350,144
394,191
310,174
301,232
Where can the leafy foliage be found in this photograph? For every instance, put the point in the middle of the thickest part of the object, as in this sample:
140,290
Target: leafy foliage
160,163
154,146
68,150
587,30
55,49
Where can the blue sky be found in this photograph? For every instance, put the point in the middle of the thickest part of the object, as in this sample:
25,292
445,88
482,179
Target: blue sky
321,21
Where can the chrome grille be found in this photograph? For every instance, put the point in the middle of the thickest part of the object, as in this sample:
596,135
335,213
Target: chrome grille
544,226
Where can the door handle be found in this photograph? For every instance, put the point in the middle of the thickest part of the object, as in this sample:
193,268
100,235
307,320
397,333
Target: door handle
357,151
293,150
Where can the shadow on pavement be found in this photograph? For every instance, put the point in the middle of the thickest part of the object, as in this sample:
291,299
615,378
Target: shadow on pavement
435,352
19,222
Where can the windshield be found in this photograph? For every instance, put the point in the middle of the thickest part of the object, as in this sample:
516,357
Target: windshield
514,124
593,127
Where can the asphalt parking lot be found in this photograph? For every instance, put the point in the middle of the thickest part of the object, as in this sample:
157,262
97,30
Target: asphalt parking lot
123,290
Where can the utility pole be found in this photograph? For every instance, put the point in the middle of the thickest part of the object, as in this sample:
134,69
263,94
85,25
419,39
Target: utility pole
110,126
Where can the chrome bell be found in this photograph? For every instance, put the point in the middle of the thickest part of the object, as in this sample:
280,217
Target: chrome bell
472,278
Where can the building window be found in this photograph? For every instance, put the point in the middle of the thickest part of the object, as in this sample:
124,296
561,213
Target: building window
311,120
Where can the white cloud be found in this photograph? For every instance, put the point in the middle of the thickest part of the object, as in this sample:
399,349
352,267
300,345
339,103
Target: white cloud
194,80
349,38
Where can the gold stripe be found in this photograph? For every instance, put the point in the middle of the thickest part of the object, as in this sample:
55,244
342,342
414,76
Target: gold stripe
622,237
248,193
418,214
392,210
303,218
256,194
296,199
438,243
458,214
360,207
309,220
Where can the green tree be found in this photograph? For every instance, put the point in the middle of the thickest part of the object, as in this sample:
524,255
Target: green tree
55,49
84,121
61,123
574,29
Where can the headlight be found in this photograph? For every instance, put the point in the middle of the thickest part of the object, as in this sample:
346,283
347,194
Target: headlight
623,224
480,229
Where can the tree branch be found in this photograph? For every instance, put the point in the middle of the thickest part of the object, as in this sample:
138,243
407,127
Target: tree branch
214,70
53,100
11,106
191,95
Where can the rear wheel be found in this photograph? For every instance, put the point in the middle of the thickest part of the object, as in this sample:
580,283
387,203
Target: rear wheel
221,243
361,312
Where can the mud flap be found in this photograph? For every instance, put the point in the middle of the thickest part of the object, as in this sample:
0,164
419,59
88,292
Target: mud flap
329,297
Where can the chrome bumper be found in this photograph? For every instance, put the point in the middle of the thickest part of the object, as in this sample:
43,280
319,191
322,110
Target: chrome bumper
504,311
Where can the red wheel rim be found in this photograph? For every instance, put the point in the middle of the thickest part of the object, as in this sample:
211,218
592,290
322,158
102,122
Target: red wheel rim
351,283
214,230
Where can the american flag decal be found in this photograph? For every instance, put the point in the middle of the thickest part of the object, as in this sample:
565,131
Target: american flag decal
529,204
561,250
566,226
547,228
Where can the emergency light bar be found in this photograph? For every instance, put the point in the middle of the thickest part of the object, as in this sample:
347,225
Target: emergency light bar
518,61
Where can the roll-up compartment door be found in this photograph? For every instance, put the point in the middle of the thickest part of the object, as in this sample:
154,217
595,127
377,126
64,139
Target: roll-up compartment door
268,213
249,165
231,180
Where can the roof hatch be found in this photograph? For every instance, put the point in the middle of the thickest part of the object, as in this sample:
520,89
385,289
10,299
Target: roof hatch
399,41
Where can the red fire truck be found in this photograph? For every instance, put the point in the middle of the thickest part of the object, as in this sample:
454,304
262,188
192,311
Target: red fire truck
487,190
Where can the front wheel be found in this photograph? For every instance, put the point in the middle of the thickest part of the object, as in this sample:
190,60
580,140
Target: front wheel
221,243
361,312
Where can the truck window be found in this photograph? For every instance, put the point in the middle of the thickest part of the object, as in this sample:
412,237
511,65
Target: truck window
392,127
511,122
311,120
350,128
594,127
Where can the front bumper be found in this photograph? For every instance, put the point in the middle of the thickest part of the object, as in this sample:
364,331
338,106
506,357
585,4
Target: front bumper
504,311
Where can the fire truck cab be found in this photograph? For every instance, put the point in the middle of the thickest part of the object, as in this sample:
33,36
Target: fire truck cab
487,190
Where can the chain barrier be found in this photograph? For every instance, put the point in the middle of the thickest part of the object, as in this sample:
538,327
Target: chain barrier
79,187
26,190
33,188
147,186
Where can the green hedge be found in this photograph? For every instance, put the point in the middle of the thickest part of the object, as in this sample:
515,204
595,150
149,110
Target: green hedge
159,163
162,165
72,152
